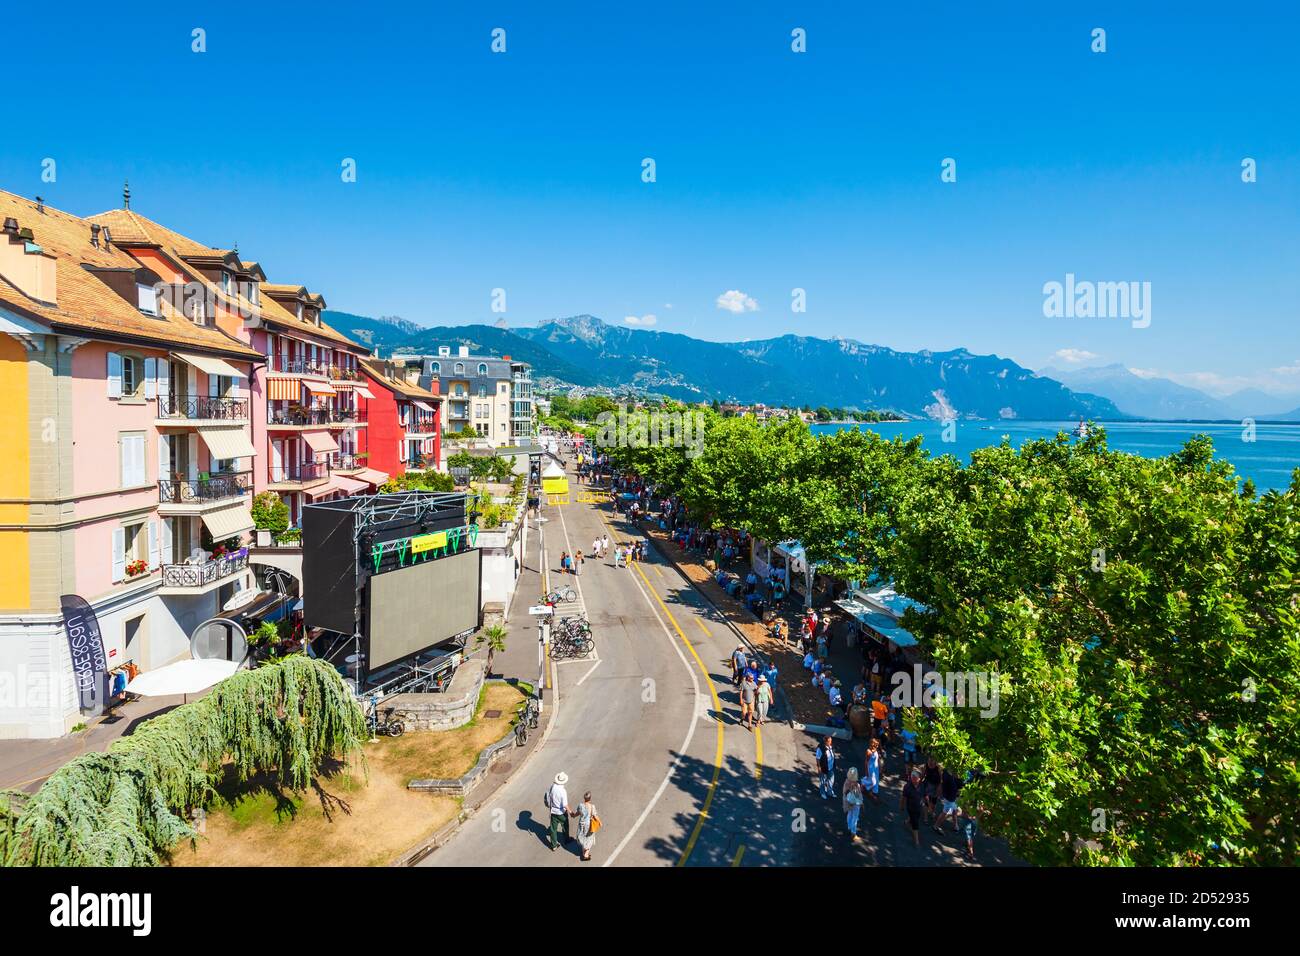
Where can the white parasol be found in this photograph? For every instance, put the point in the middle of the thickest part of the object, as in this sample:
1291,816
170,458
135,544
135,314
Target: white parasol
182,677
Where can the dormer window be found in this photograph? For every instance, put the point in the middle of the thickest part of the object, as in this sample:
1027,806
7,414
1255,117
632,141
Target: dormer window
460,368
146,298
254,293
225,282
482,368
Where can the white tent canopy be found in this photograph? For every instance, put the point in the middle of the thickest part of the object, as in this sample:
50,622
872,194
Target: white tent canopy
182,677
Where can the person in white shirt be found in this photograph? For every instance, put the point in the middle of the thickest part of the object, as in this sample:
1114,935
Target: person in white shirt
595,548
557,801
604,546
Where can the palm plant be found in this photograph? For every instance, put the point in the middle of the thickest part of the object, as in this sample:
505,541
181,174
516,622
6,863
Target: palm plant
494,636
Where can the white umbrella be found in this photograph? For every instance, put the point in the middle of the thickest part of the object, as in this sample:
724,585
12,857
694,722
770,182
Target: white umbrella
182,677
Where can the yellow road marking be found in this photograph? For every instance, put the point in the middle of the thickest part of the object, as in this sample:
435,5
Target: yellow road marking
735,861
657,571
758,752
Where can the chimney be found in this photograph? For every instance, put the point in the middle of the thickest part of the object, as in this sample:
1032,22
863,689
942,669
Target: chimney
108,237
40,205
463,352
505,358
94,234
10,226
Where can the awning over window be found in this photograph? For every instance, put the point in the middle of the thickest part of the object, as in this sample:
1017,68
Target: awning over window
206,363
228,522
319,388
226,443
372,476
320,442
423,405
320,491
283,389
363,391
350,485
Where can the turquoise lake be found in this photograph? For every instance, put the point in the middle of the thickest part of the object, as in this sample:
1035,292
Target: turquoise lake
1268,460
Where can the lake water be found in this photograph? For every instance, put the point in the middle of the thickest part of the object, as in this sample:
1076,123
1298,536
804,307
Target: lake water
1268,460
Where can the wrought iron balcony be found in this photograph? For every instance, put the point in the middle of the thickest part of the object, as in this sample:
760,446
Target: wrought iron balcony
295,366
185,491
323,415
199,408
209,572
300,471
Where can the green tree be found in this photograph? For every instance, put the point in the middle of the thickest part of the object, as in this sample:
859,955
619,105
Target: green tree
494,636
270,513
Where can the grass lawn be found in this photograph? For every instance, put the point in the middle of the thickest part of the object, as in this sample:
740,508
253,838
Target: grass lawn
350,817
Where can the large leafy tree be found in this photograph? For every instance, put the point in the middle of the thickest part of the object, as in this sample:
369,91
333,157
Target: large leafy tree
1139,616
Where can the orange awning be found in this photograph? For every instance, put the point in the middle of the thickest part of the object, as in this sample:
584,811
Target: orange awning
321,442
283,389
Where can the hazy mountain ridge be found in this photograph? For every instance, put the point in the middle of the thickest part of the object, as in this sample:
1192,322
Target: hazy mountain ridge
786,370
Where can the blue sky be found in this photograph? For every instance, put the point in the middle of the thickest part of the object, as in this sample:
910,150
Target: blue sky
775,170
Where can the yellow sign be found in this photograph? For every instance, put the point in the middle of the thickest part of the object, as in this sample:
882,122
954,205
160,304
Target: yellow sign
428,542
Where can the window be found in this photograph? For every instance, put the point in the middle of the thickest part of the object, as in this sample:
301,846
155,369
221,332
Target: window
130,375
436,368
254,293
130,632
225,282
460,368
131,450
482,368
147,298
482,391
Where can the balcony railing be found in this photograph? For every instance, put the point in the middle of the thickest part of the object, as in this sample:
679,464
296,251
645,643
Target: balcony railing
342,374
346,461
300,471
295,366
184,491
202,409
421,427
209,572
313,416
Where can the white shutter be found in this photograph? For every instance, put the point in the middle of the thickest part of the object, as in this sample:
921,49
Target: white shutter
151,378
401,450
166,540
164,377
114,375
164,457
119,554
138,468
277,458
153,544
194,457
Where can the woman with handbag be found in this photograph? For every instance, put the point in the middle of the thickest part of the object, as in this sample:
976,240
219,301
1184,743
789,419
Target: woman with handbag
588,825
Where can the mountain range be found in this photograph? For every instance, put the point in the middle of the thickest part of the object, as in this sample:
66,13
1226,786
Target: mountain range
794,370
1146,396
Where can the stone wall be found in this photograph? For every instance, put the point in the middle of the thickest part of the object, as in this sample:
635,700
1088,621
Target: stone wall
453,708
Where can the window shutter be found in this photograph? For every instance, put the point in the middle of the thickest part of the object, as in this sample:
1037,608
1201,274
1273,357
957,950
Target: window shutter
150,378
114,375
164,457
119,554
194,456
153,544
401,450
164,377
166,540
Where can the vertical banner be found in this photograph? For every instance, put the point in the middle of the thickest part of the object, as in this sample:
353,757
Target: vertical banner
89,665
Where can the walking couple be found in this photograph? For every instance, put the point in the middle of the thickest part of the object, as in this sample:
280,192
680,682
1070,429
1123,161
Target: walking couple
557,801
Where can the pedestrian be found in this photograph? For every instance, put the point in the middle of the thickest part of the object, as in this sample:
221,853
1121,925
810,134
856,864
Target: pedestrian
577,562
872,783
826,768
604,545
970,826
913,801
748,694
588,826
738,663
852,801
949,787
933,780
764,697
564,562
557,801
595,548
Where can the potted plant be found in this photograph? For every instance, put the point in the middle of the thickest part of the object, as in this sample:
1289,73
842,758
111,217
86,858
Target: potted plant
137,567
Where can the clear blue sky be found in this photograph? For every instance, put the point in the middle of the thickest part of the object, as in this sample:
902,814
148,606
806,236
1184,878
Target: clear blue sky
775,170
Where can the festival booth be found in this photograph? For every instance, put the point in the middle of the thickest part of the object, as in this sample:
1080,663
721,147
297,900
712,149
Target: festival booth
875,612
554,481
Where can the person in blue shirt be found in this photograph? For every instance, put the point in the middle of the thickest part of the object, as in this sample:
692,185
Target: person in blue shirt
826,768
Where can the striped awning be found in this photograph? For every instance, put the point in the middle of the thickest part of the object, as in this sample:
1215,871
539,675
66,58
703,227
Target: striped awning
328,488
363,391
319,388
350,485
210,365
224,443
372,476
228,522
321,442
283,389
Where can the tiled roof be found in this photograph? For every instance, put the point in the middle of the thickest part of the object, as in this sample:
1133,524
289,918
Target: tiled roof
84,301
377,371
137,229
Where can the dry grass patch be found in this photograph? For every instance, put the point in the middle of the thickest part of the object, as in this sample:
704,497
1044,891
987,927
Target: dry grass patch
352,815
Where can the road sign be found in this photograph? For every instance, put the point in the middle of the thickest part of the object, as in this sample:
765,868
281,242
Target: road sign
541,610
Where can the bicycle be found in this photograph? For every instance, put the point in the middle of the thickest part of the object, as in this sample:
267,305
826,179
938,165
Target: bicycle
389,726
528,719
564,594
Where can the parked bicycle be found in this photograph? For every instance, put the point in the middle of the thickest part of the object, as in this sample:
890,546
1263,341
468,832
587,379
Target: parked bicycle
388,725
526,721
564,594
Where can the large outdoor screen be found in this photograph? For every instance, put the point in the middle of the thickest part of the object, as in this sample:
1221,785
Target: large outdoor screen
414,608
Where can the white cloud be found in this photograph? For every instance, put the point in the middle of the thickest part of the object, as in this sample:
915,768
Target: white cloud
1074,356
640,320
668,305
1145,372
733,300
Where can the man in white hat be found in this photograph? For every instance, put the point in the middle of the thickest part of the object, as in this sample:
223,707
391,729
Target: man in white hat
557,801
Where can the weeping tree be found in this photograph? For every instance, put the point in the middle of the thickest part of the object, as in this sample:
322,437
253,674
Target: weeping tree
131,805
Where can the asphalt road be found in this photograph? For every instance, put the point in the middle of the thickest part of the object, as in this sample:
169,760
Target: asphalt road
649,726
